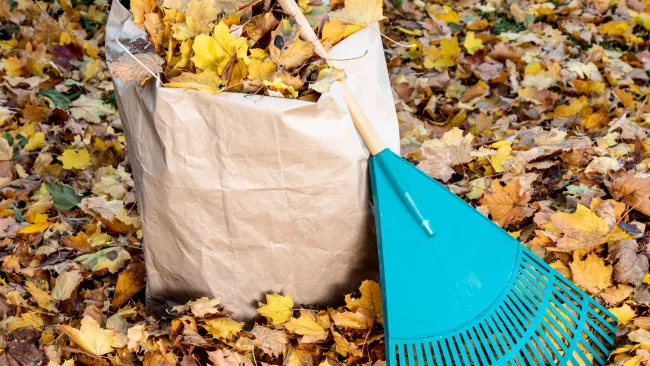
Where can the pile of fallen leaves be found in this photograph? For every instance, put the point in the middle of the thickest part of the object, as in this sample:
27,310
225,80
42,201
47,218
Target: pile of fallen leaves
246,46
537,113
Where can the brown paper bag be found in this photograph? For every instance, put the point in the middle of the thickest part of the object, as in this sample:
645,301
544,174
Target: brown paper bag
242,195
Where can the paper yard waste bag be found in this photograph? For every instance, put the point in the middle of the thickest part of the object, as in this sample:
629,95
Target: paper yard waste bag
242,195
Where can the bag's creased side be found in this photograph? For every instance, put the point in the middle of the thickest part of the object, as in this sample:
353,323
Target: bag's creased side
243,194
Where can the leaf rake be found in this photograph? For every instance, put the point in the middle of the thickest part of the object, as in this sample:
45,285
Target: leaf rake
456,288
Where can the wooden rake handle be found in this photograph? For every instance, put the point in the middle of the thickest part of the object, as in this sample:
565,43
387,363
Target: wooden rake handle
361,122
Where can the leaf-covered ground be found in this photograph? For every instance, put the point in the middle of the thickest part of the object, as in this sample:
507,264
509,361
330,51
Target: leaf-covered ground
535,112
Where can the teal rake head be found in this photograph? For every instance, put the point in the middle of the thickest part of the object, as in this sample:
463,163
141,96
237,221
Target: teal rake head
468,293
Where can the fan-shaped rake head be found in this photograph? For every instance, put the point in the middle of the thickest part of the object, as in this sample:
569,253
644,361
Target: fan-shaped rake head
541,319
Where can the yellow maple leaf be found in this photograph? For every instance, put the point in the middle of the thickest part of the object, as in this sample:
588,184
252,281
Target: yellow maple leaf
298,357
225,328
334,31
345,347
449,15
307,325
591,273
623,313
359,11
359,319
572,109
29,319
141,7
449,46
13,66
442,58
91,68
65,38
154,25
208,81
199,15
36,142
42,298
186,54
279,86
214,53
75,160
613,28
278,308
305,6
33,229
471,43
533,69
259,70
503,155
582,229
642,19
370,300
90,337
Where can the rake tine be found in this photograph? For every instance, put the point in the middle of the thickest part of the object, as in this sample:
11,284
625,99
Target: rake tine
409,354
402,356
436,351
471,348
445,351
481,349
497,334
476,349
419,357
427,353
485,344
590,322
591,350
462,348
511,331
544,347
553,331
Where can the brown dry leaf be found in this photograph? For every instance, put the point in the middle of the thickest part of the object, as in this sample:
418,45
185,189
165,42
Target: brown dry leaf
222,357
440,155
360,11
630,266
634,189
287,49
614,295
273,342
591,273
129,282
506,203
